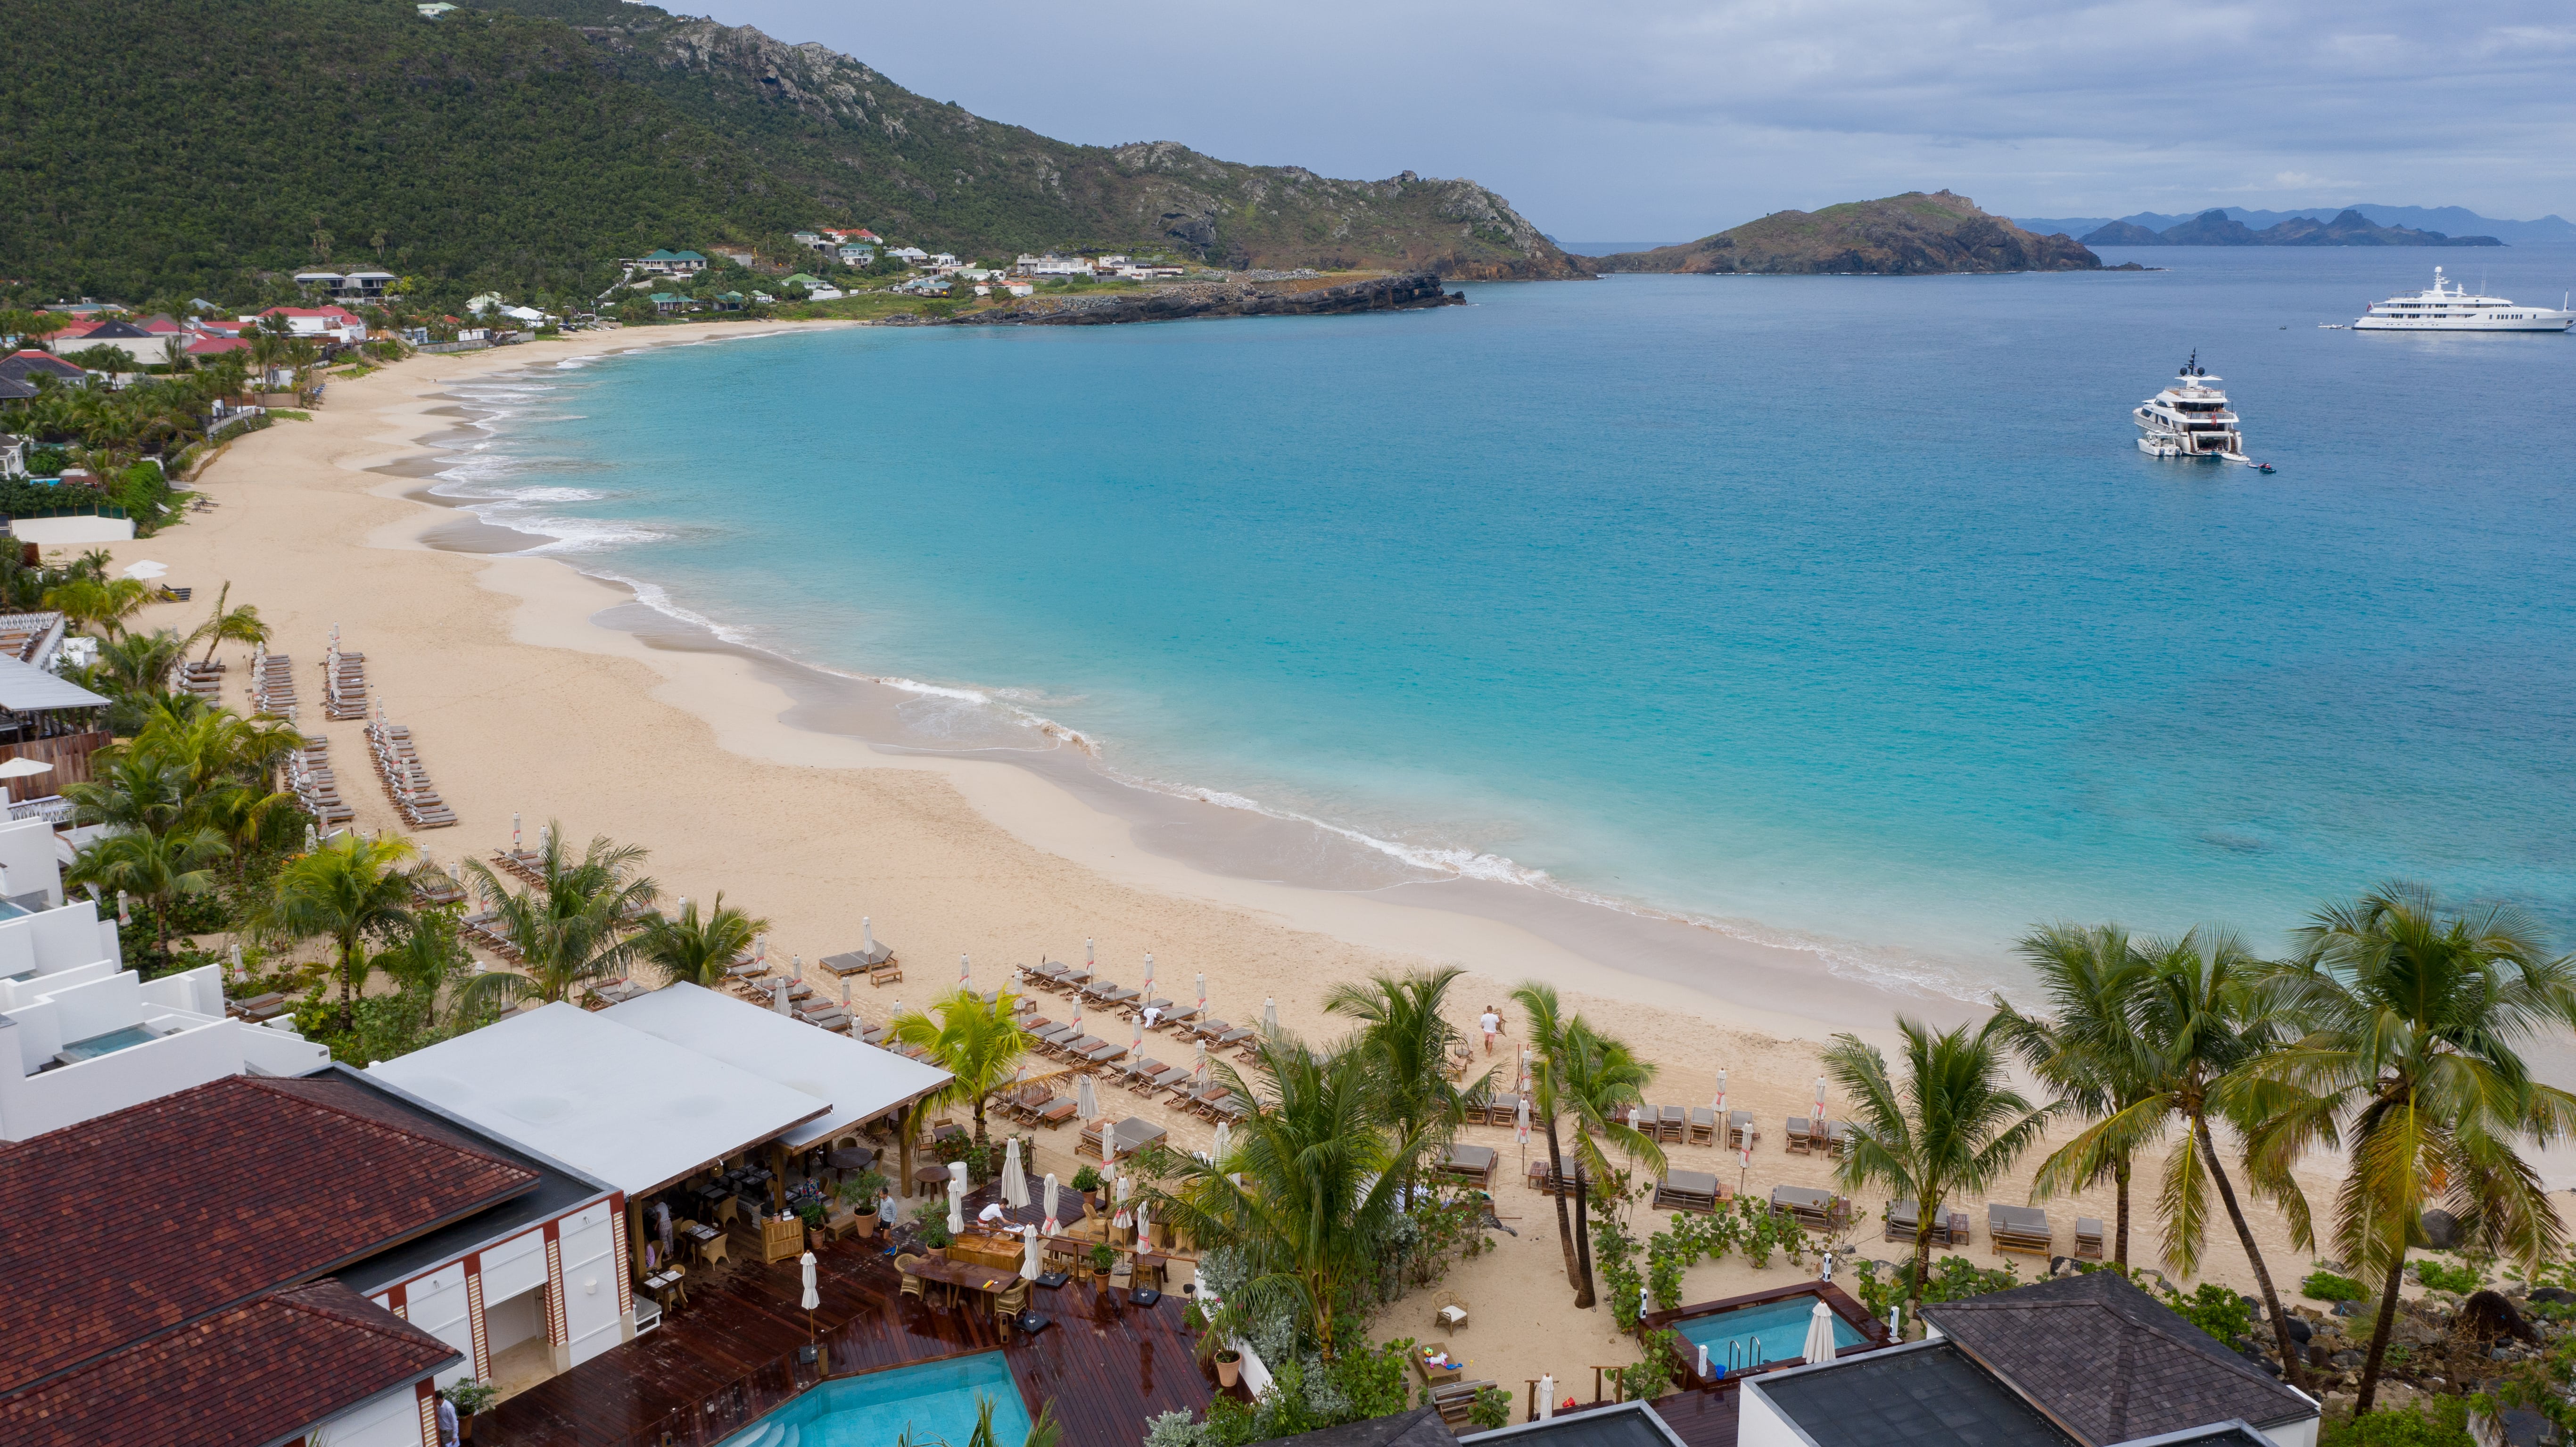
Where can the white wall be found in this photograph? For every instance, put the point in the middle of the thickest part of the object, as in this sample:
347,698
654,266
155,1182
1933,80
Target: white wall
391,1419
436,1304
27,852
1760,1424
2296,1434
201,1051
592,1321
53,940
510,1322
57,532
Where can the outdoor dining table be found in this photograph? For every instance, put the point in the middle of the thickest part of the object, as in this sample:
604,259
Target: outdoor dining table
976,1248
964,1275
851,1158
930,1175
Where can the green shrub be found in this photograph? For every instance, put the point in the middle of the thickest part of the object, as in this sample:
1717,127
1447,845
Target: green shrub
2213,1308
2445,1426
2438,1277
2327,1286
1492,1409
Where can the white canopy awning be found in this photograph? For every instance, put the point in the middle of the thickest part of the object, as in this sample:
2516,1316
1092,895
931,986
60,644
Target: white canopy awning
856,1081
25,687
623,1105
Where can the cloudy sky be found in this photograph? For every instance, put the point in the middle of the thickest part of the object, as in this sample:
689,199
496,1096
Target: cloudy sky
1659,120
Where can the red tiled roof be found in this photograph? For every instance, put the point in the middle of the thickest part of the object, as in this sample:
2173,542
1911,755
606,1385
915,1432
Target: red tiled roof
267,1369
210,346
139,1221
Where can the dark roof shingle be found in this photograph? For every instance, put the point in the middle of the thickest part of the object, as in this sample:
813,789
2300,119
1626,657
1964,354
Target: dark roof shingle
267,1369
1925,1395
2109,1362
142,1220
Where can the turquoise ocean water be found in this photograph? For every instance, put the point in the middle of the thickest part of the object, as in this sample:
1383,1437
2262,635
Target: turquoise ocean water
1840,610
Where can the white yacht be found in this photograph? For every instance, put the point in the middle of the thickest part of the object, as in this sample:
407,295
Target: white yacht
2189,418
2449,307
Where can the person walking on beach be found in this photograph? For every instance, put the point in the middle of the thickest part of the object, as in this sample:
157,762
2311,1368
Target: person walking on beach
1493,1026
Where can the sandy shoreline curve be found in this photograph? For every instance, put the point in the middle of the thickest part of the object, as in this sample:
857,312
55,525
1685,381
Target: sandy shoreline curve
532,688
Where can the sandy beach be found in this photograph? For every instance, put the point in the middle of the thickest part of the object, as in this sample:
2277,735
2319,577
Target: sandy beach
523,698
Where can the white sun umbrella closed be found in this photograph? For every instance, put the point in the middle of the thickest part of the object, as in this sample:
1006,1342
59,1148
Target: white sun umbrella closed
1521,1119
1719,1105
1086,1100
1015,1182
778,999
1224,1142
1820,1103
1546,1398
805,1268
1149,974
1075,1024
1030,1263
1270,1016
1200,1071
1202,997
1048,1192
1124,1218
965,972
1144,1227
956,1197
1820,1334
1087,960
868,938
1136,1039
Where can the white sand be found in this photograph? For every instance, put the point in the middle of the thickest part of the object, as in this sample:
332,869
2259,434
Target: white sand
518,702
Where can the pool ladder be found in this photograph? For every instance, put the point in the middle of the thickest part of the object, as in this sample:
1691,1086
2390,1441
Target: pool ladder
1739,1356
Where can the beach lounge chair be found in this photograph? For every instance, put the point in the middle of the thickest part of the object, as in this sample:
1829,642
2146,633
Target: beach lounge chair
1473,1164
1672,1124
2022,1229
1951,1229
1054,1113
1816,1210
1456,1400
1176,1075
1689,1191
1703,1126
2088,1238
1796,1136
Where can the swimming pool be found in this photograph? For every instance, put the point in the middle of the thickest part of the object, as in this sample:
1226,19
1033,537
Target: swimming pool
109,1043
1752,1336
933,1402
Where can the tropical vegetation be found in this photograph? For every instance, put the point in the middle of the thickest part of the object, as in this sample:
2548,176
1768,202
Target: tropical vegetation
577,922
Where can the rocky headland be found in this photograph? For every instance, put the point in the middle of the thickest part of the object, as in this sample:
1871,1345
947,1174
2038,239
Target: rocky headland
1916,234
1233,298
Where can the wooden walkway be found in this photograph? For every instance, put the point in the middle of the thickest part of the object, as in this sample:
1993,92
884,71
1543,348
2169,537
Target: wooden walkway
1107,1364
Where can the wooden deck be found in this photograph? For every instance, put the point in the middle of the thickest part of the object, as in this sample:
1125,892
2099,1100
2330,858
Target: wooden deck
730,1355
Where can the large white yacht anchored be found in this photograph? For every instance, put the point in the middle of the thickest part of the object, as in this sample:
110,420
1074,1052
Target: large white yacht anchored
2189,418
2450,307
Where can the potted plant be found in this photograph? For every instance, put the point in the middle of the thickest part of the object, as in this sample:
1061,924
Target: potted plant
1103,1256
470,1398
863,1192
1087,1181
1229,1367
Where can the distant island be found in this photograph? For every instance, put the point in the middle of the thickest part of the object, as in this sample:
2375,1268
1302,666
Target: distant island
1916,234
2217,228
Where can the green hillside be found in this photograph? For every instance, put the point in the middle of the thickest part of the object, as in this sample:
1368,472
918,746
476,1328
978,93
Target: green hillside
158,149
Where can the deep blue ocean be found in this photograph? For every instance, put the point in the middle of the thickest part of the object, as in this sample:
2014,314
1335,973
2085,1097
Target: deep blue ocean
1834,608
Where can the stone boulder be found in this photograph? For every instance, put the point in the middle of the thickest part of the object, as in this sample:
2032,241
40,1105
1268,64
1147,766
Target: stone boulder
2441,1230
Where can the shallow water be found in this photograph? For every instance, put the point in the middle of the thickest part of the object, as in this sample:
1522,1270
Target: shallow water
1837,609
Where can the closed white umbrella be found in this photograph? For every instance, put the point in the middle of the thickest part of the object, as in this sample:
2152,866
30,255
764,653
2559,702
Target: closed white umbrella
1719,1105
1820,1334
1124,1218
1270,1016
956,1197
1015,1181
1087,960
1224,1142
1820,1105
1202,997
1546,1398
1149,974
867,938
1144,1227
1075,1024
778,999
1052,1227
805,1267
1201,1069
965,971
1086,1100
1030,1264
1136,1041
514,833
1521,1120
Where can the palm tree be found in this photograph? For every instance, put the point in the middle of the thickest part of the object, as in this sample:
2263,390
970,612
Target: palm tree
1403,1025
1597,1080
130,789
1546,1037
980,1046
571,927
100,605
2412,1017
2193,1015
230,625
353,889
2085,1051
1308,1193
1952,1127
155,868
698,951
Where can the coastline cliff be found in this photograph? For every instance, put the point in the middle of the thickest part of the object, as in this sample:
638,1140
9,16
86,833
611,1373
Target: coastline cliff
1916,234
1318,297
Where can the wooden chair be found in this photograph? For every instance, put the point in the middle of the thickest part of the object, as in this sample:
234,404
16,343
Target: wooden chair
1448,1311
1007,1307
911,1283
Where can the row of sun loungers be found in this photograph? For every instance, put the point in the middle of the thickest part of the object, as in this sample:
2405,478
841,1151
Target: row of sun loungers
406,783
2023,1230
477,929
203,678
308,773
272,684
344,685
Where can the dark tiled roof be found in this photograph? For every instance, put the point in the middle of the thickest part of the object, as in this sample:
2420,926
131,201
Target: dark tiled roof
268,1369
12,390
23,365
2109,1362
142,1220
1926,1395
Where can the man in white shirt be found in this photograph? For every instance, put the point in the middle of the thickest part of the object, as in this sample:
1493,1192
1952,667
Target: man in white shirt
1492,1025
